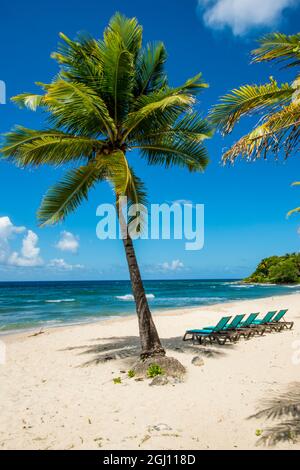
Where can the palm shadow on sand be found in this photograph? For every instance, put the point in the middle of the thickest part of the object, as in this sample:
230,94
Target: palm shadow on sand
284,409
128,347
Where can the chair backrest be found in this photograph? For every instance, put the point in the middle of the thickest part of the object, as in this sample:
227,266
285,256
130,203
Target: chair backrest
250,319
280,315
235,322
268,316
221,323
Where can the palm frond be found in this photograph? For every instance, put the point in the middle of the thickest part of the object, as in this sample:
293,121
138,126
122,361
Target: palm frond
121,45
81,61
77,108
27,147
154,107
150,73
297,209
293,211
29,100
174,152
193,85
278,47
68,194
118,80
127,30
188,126
246,100
279,132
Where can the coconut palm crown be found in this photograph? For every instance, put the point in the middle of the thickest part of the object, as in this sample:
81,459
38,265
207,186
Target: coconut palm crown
110,96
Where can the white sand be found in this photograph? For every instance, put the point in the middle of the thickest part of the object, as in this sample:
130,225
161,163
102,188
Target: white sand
55,393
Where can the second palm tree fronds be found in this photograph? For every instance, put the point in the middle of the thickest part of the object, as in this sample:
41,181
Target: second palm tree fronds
111,96
277,105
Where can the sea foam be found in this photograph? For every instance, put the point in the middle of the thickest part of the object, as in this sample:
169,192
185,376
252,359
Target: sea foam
130,298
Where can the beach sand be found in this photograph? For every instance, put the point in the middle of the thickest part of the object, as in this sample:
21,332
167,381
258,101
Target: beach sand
57,390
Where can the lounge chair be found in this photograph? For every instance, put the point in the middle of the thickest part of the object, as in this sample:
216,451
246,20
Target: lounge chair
217,332
245,329
260,326
230,326
278,323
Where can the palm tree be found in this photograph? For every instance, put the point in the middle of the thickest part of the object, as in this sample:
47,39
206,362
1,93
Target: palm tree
278,105
111,96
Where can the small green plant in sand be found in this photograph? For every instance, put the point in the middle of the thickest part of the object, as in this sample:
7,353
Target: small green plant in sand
258,432
117,380
154,370
131,374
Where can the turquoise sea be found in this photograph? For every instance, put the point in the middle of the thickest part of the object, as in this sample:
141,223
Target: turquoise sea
26,305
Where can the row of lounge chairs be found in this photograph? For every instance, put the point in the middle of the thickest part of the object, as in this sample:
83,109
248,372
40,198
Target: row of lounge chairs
228,329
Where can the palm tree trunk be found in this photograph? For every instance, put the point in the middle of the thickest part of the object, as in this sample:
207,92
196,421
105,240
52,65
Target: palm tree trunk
150,342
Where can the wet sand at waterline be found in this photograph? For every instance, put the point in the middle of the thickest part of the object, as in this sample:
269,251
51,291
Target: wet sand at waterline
57,389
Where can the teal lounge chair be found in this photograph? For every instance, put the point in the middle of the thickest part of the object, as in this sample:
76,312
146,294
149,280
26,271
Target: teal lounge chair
278,323
267,318
260,326
217,332
230,326
245,328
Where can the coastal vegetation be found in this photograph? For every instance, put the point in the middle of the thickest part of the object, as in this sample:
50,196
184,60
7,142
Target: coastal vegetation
277,270
111,96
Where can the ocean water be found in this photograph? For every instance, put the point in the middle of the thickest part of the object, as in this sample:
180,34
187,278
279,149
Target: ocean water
26,305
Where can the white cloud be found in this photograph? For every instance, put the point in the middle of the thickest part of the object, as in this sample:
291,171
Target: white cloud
243,15
30,252
61,264
68,242
174,265
7,231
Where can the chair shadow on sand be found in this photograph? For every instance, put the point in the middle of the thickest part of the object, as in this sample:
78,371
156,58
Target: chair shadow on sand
284,409
128,347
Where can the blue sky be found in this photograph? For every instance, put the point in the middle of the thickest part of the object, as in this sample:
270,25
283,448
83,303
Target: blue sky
245,205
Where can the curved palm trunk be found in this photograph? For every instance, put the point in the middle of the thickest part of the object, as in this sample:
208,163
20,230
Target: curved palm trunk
150,342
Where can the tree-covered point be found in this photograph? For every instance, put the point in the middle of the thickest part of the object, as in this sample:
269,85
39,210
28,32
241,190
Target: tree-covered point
277,269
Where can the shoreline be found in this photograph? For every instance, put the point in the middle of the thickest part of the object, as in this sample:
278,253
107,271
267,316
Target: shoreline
130,316
155,312
57,389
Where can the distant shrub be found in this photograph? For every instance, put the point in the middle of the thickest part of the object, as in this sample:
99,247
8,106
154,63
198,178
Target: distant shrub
131,373
154,370
117,380
277,269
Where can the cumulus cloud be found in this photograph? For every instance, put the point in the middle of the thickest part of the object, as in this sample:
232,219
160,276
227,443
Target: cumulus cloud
243,15
174,265
68,242
7,231
30,252
62,265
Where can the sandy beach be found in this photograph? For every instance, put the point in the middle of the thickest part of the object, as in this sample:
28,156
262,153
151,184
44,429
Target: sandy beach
57,389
